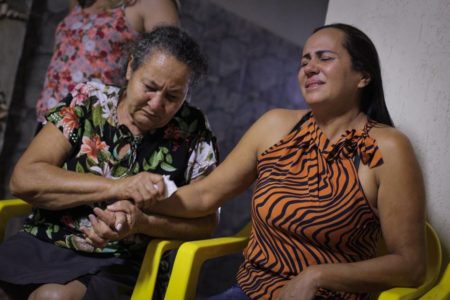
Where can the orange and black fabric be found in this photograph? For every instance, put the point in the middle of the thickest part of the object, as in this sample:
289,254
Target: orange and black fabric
309,208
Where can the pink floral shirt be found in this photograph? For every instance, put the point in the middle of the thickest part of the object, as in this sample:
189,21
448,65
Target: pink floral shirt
88,47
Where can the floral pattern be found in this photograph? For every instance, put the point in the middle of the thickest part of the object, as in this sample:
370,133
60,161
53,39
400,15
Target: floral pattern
88,46
184,149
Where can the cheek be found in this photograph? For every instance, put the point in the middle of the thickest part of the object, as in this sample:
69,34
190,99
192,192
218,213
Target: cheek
172,109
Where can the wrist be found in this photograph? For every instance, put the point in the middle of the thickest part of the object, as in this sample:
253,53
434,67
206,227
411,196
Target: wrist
141,225
315,274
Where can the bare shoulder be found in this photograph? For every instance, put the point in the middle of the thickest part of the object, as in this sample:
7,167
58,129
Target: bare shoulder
281,118
272,126
390,140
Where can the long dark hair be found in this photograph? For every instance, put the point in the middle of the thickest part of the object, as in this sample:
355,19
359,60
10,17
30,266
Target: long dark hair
365,59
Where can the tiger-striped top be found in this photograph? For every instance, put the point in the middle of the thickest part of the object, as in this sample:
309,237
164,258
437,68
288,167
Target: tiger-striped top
309,208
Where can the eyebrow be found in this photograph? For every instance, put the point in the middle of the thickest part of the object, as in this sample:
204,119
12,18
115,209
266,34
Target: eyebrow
318,53
154,83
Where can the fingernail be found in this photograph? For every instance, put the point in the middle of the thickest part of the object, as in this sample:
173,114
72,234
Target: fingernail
118,226
155,186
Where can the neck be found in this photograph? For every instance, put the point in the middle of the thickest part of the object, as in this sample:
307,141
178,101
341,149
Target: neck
124,118
334,123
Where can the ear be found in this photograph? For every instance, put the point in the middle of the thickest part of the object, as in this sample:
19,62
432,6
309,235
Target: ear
365,80
129,70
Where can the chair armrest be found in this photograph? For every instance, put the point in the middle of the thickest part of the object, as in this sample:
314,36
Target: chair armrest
145,284
189,259
399,293
442,290
11,208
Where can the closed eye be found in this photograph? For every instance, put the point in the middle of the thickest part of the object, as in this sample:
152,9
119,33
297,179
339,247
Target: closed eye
326,58
151,88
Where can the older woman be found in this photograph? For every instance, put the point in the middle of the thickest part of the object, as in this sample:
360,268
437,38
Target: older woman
100,145
329,182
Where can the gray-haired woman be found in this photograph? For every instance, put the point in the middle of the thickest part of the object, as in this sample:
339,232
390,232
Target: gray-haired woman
99,145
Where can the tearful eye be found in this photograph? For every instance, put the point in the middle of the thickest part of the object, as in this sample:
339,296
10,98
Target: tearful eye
172,98
150,88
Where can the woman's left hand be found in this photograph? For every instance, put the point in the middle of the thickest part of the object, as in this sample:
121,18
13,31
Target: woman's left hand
108,225
301,287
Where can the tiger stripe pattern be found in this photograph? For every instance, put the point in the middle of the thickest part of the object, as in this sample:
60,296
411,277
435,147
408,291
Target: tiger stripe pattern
309,208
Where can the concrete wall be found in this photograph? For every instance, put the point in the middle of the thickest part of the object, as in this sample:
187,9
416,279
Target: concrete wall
290,19
413,40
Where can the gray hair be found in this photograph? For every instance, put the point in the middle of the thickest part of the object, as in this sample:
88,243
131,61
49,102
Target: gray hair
174,41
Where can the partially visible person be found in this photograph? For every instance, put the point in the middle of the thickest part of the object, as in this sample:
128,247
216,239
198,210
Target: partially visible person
329,182
90,43
102,144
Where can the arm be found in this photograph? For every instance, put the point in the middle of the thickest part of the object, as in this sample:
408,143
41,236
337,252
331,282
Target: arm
39,179
235,174
178,228
133,220
238,173
400,198
151,13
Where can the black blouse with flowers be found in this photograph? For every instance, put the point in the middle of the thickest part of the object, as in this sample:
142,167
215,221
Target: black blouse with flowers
184,149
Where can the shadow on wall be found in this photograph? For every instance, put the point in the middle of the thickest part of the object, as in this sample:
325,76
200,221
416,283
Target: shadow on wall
251,72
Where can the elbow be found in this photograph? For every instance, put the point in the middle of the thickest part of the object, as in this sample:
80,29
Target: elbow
415,273
20,187
418,274
17,186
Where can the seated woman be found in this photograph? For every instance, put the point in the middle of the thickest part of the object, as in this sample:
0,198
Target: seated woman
328,183
103,144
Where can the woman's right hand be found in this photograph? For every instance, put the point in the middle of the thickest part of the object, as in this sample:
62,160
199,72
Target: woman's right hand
143,189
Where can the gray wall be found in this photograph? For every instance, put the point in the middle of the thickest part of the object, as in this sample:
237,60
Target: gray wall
292,20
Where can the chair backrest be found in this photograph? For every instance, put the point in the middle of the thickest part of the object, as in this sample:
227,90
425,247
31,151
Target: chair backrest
434,257
442,290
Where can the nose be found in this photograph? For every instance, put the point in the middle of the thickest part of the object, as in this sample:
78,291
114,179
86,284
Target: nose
156,101
310,68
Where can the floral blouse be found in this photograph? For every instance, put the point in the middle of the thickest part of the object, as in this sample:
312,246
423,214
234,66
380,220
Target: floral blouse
88,46
184,149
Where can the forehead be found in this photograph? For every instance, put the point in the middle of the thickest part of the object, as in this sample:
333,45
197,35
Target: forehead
159,58
165,65
327,39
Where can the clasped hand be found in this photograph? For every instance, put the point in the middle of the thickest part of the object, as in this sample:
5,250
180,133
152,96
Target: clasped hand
123,217
143,189
114,223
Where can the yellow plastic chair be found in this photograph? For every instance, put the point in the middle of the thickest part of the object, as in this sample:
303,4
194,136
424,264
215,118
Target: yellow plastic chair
191,255
11,208
145,284
146,281
442,290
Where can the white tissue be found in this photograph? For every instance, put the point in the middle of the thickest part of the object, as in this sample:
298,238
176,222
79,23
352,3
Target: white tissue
171,187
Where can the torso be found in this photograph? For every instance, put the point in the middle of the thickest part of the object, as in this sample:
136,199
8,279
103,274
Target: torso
283,120
308,197
101,146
